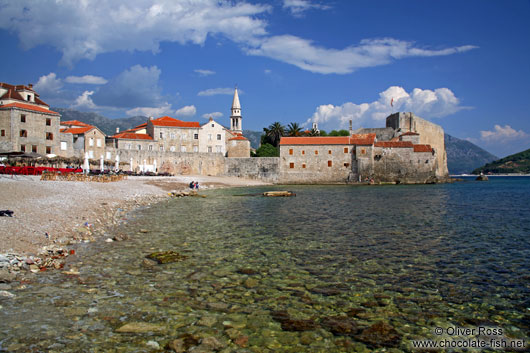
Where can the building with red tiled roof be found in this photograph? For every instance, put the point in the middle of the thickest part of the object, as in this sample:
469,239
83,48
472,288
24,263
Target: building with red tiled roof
26,123
86,138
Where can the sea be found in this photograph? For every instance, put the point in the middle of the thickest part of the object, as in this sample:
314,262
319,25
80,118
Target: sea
336,268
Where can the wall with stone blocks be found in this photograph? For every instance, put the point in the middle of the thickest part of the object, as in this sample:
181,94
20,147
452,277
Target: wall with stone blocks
263,168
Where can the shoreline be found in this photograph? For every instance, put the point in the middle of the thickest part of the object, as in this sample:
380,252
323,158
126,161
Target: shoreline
49,216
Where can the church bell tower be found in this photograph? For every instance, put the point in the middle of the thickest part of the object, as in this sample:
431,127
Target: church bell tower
235,116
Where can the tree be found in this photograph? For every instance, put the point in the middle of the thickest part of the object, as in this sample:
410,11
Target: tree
294,130
339,133
274,133
267,150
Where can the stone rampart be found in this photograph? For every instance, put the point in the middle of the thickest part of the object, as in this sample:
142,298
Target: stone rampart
263,168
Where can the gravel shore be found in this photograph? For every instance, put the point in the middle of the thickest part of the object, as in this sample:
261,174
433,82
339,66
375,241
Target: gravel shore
48,213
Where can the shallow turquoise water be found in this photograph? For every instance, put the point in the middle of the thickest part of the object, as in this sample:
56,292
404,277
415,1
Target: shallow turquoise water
308,273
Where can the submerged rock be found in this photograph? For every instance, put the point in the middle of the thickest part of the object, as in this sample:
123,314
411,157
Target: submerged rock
380,334
140,327
290,324
164,257
340,325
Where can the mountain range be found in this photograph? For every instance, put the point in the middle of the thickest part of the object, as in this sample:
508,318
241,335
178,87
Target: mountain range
462,156
515,163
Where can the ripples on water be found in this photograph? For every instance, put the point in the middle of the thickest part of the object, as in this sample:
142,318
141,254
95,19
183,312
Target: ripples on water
269,274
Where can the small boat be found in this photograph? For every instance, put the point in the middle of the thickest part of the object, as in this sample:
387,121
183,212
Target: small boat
278,193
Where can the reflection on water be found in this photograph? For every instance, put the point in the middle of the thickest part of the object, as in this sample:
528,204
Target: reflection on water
336,268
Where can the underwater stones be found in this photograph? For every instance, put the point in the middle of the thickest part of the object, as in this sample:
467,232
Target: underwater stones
380,334
247,271
140,327
340,325
207,321
148,263
290,324
164,257
219,306
326,291
242,341
211,344
250,283
354,312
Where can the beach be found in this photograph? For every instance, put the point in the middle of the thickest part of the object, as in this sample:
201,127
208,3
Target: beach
59,213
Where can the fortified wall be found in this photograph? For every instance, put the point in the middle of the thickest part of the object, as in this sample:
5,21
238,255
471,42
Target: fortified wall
262,168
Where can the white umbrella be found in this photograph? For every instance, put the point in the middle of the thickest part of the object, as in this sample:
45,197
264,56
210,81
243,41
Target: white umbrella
86,166
117,167
144,167
154,166
101,166
131,164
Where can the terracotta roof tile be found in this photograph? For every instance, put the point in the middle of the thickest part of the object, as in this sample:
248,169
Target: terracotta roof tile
74,123
132,136
317,140
237,138
422,148
169,121
394,144
78,130
29,107
363,139
409,133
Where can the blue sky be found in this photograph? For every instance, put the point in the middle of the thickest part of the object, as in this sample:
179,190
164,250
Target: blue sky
462,64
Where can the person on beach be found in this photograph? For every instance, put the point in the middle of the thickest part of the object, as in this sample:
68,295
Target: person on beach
196,185
192,184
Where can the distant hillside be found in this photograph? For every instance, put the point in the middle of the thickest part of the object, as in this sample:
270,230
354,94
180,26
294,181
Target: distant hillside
254,137
463,156
515,163
107,125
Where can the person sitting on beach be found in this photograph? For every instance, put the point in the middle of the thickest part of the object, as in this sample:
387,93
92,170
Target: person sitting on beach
196,185
192,184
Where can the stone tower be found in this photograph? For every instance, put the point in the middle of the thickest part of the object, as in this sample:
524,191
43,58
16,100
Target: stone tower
235,116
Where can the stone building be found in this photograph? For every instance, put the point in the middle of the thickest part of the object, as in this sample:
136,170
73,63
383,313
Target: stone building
237,145
26,123
85,139
212,137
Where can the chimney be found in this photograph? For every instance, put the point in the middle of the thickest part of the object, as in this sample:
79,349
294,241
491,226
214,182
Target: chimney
30,85
351,127
117,130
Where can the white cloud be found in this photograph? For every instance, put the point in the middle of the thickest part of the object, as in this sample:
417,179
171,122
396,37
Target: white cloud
87,79
425,103
215,91
164,109
204,72
49,85
370,52
84,101
94,27
214,115
503,134
298,7
134,87
188,110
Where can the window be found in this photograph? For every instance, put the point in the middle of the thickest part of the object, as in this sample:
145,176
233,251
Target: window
172,135
129,146
218,149
49,136
150,147
363,150
172,148
291,165
213,125
98,142
139,147
23,133
210,149
48,122
182,148
329,164
48,149
196,136
91,141
64,145
34,148
29,97
219,137
209,137
23,118
161,148
22,148
290,151
329,151
346,165
108,155
345,149
2,132
195,148
303,152
90,154
161,134
303,165
316,152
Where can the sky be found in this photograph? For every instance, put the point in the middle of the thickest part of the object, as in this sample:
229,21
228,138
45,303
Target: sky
464,65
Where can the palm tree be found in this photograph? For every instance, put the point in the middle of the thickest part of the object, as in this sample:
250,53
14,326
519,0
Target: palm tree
274,133
294,130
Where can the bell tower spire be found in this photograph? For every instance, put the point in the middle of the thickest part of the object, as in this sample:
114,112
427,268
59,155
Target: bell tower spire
235,116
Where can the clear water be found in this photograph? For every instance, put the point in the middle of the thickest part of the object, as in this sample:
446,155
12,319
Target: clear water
414,257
